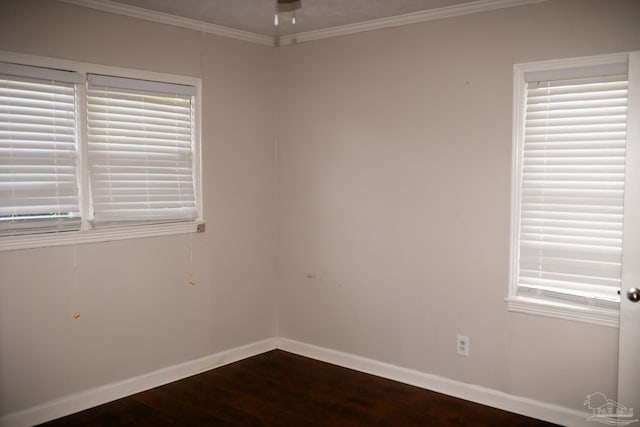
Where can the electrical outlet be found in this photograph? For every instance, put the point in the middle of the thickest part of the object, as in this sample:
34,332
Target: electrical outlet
463,345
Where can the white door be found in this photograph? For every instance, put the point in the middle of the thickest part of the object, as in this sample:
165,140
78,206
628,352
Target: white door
629,345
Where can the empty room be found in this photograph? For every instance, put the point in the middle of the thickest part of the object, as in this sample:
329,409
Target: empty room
319,212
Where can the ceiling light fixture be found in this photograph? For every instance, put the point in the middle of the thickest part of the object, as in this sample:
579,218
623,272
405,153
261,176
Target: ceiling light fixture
285,6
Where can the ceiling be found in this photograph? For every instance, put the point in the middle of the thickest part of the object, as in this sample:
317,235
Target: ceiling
256,16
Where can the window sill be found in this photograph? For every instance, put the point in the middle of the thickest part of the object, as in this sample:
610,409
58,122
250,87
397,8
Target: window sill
561,311
44,240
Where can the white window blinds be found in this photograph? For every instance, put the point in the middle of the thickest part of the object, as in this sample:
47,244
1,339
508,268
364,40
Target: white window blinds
572,164
140,150
38,146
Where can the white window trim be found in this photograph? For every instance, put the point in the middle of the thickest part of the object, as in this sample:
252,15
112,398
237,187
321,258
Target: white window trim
86,235
521,304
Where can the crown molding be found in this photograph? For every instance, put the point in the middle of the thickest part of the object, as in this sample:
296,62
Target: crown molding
409,18
375,24
166,18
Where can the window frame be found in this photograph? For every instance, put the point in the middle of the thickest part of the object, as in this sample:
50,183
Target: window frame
515,303
87,234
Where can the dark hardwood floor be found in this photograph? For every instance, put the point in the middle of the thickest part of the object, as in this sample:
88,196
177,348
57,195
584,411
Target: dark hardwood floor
282,389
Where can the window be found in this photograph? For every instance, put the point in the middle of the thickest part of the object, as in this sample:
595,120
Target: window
568,188
140,150
83,151
38,148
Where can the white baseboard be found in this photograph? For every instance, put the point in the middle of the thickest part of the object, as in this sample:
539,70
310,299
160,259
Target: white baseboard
486,396
97,396
483,395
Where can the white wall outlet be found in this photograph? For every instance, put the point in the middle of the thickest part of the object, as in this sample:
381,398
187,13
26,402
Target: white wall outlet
462,345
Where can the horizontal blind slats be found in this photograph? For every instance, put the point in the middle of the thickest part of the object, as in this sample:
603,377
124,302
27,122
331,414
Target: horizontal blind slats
38,154
140,155
126,148
572,189
168,127
96,112
602,111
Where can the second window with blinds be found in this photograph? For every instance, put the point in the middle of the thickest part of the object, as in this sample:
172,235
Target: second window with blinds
568,188
140,151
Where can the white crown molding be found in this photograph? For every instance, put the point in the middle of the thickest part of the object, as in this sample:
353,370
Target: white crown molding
166,18
375,24
409,18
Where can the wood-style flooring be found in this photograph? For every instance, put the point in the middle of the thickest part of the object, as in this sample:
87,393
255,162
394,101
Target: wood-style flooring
282,389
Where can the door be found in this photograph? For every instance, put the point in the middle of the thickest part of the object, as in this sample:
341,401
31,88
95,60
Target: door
629,344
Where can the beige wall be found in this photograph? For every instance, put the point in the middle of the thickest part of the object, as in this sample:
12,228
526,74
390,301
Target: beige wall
393,184
138,313
394,167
